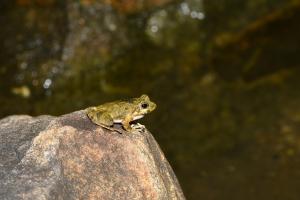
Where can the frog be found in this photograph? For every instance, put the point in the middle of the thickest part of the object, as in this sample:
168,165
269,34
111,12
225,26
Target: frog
120,112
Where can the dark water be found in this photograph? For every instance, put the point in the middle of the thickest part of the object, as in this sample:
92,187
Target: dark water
225,75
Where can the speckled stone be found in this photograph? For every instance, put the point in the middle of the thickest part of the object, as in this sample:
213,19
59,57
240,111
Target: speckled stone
68,157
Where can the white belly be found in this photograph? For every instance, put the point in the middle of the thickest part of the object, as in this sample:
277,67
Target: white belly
138,117
135,118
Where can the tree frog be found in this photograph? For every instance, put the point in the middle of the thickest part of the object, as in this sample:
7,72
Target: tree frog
122,112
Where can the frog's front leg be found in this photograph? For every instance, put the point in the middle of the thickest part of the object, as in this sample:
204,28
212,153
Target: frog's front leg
126,122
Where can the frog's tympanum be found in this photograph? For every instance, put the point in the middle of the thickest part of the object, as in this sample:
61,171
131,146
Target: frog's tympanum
122,112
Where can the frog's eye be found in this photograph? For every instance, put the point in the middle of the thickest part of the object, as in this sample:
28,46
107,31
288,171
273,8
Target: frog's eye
144,105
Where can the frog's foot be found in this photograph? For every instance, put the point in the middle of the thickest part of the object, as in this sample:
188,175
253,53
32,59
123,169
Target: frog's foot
138,127
119,130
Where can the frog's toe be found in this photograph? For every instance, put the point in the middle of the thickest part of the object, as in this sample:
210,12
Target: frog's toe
138,126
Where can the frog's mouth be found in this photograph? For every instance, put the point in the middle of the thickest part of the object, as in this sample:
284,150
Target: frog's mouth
138,117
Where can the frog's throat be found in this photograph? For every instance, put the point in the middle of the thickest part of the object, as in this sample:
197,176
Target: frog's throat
135,118
138,117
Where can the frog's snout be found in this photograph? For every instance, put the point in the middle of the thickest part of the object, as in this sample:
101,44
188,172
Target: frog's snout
153,106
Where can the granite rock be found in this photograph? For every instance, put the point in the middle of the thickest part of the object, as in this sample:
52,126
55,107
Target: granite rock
68,157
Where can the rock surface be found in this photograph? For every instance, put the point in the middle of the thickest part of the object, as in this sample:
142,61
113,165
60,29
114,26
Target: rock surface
68,157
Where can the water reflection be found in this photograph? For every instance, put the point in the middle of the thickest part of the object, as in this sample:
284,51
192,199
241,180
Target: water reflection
47,83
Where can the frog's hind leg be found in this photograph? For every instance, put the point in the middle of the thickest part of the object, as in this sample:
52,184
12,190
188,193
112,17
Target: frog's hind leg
99,117
104,120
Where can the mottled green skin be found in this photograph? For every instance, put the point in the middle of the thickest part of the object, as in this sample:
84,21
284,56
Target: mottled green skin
122,112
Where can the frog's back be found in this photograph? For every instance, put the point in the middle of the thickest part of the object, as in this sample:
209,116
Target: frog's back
117,109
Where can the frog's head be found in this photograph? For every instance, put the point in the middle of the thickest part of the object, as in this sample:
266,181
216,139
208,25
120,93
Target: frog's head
144,105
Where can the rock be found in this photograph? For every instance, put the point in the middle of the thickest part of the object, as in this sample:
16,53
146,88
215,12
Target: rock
68,157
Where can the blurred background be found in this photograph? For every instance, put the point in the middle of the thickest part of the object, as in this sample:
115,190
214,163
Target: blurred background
224,73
